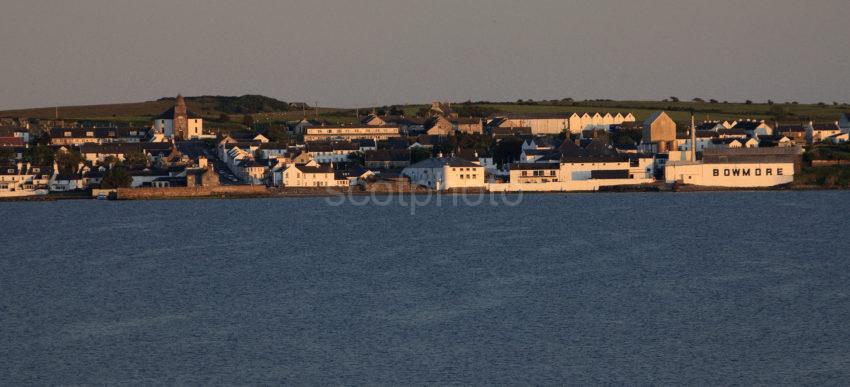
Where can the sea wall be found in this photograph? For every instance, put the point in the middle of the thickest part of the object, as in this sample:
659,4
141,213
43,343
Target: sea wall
566,186
191,192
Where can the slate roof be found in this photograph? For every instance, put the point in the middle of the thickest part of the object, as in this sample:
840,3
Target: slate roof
325,146
382,155
791,129
595,151
748,125
123,148
829,126
444,161
321,168
169,115
98,132
530,166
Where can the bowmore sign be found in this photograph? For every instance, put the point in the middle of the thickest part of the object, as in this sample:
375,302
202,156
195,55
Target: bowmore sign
747,172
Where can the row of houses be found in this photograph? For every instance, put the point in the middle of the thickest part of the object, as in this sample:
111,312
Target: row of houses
377,127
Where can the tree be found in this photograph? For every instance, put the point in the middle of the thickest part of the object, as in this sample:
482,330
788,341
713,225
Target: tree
357,157
248,120
110,161
6,155
698,99
116,177
674,99
507,150
396,110
40,154
278,134
223,117
748,102
68,161
418,154
136,160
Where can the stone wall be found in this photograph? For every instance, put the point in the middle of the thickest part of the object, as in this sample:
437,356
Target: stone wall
190,192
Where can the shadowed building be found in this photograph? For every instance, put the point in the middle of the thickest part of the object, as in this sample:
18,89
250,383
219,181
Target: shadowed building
659,132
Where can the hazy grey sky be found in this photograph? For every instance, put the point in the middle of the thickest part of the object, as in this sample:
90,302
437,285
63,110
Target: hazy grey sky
357,53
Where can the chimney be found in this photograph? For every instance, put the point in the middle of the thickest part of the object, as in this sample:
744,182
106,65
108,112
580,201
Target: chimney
693,139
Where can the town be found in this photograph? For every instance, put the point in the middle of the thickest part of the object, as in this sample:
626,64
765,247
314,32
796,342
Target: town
439,149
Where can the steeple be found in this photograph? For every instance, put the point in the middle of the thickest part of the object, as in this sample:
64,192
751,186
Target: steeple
181,118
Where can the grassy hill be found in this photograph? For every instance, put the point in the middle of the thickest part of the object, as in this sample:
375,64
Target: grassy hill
680,111
270,110
210,107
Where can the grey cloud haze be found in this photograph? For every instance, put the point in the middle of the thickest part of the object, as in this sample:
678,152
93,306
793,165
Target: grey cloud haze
356,53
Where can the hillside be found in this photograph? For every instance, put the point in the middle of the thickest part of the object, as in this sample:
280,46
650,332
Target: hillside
266,109
207,106
679,110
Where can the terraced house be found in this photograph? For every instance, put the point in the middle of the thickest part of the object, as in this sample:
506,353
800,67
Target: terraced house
445,173
79,136
24,180
348,133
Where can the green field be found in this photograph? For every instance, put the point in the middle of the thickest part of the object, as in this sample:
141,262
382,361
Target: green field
211,109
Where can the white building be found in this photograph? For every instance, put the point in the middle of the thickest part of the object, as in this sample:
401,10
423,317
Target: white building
331,152
578,122
312,174
179,123
539,123
755,128
24,180
819,132
445,173
740,168
741,175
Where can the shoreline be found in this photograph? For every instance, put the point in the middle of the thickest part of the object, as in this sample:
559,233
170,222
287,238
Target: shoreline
324,192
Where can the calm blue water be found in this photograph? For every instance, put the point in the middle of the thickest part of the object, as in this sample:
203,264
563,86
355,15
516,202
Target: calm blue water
718,288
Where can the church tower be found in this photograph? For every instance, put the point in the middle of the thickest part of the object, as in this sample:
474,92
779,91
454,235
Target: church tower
181,119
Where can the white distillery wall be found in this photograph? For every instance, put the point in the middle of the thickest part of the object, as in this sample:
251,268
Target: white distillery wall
731,175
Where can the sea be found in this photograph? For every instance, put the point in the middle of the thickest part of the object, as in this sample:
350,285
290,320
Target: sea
546,289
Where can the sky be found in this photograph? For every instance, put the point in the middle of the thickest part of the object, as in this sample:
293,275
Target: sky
349,53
